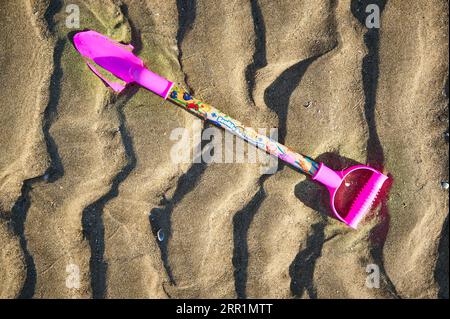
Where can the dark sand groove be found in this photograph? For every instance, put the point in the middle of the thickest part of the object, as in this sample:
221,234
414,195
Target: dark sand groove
410,42
375,154
441,270
18,217
277,95
186,17
259,59
241,223
136,38
130,251
30,51
92,216
50,13
370,73
302,268
277,98
160,218
54,171
63,140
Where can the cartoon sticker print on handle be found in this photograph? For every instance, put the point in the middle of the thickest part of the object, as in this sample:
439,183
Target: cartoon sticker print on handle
213,115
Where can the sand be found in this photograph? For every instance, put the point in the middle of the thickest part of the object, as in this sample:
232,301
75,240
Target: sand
86,177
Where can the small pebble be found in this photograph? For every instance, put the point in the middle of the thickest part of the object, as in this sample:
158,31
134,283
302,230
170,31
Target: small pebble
444,185
307,104
347,184
442,118
446,136
160,235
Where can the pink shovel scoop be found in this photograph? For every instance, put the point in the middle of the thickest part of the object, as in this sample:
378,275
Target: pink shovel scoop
118,59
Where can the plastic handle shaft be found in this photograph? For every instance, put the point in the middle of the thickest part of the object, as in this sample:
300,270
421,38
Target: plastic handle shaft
207,112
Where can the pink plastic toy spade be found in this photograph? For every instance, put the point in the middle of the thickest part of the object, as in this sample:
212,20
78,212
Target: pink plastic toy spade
118,59
352,191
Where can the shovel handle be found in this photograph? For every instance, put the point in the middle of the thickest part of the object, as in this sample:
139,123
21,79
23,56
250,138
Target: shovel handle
182,98
151,81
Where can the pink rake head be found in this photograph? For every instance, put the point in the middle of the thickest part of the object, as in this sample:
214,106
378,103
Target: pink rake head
346,182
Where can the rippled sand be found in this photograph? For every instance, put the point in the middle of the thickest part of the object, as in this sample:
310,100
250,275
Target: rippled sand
86,178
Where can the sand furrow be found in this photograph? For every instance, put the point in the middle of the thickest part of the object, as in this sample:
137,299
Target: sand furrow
135,266
375,153
442,262
413,71
92,219
241,224
353,252
325,101
26,50
186,17
13,264
259,59
196,247
93,203
24,159
281,77
160,217
53,226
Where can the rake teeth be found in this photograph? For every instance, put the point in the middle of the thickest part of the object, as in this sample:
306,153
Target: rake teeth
365,199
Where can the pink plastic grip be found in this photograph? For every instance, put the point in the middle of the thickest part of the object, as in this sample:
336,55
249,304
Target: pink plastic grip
328,177
151,81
